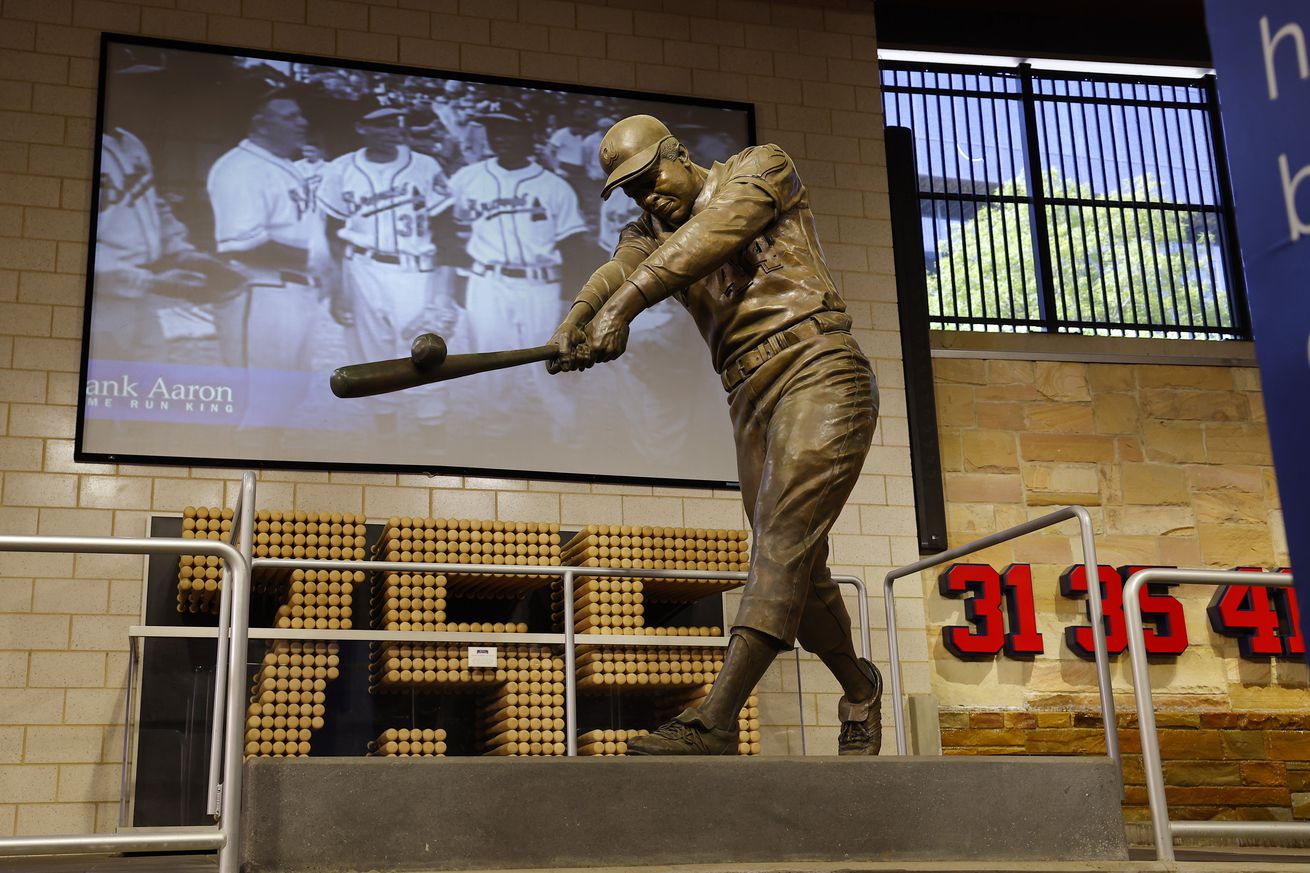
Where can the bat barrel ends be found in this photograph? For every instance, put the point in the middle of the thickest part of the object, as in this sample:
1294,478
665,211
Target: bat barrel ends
341,383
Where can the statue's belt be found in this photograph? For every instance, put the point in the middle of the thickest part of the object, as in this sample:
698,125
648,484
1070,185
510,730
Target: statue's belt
752,358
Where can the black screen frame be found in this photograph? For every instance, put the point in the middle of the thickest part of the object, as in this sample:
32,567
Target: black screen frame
81,455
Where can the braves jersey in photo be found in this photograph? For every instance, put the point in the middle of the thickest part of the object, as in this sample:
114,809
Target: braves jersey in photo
259,197
135,226
312,169
517,217
385,207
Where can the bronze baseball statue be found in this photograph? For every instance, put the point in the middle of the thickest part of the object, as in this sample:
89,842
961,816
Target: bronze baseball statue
736,245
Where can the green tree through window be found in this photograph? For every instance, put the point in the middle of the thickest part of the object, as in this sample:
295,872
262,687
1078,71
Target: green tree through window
1128,233
1143,268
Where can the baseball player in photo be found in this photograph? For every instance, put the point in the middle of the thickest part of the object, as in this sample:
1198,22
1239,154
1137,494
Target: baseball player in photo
312,163
378,202
520,215
154,283
265,221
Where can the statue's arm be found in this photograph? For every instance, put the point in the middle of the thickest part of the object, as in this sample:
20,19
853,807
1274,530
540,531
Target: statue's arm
601,286
570,337
739,212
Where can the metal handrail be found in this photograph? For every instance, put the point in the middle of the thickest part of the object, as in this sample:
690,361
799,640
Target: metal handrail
243,527
226,717
233,633
1094,610
569,637
1161,826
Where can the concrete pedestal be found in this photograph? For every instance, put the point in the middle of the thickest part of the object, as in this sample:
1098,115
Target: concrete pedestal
349,814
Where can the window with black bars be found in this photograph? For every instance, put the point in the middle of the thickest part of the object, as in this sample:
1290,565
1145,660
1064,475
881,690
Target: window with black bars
1070,202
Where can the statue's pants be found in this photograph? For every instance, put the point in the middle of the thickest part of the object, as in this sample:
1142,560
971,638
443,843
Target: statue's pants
803,421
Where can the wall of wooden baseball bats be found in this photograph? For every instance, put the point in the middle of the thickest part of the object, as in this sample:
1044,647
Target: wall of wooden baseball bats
518,704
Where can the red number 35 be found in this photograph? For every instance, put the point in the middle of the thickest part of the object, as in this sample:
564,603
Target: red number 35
1167,637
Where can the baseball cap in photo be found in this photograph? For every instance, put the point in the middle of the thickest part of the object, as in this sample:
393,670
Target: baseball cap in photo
498,117
384,114
630,148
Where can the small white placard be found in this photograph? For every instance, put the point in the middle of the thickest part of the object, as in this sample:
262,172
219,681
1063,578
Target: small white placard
482,656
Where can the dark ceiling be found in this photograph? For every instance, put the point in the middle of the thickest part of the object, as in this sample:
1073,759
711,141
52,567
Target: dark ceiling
1138,31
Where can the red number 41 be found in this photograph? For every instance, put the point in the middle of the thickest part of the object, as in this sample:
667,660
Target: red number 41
1266,621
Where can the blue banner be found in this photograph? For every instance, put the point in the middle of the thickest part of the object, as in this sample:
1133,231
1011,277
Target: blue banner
1262,65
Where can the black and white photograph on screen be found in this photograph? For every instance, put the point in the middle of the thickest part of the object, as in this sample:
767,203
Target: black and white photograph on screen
261,221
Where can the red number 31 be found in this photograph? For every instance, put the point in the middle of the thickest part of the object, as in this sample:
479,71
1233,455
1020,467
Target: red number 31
997,599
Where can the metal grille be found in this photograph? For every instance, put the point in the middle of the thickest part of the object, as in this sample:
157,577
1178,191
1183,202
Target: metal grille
1071,203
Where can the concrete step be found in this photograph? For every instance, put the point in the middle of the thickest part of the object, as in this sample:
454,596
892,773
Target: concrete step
1190,861
373,814
1217,864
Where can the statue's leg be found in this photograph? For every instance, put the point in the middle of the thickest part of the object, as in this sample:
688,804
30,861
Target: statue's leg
749,654
712,727
804,421
830,412
818,434
825,630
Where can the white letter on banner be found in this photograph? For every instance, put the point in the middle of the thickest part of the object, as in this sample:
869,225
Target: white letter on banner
1295,224
1270,44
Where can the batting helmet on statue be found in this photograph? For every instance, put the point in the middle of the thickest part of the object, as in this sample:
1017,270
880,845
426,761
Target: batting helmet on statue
630,148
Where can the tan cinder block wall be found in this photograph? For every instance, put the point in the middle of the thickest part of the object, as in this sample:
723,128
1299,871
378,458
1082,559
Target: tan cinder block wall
807,65
1172,462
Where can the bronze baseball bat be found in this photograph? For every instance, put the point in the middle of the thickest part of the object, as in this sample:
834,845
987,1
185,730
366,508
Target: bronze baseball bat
381,377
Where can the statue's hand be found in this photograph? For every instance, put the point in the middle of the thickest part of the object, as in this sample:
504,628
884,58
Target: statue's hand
573,354
607,335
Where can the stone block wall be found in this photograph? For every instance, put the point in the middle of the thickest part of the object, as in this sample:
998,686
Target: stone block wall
807,65
1173,464
1244,766
1174,467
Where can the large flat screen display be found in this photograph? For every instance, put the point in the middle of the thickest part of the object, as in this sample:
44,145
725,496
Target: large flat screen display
260,220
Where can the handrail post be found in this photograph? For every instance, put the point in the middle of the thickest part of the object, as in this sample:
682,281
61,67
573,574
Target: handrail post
862,611
1094,609
233,718
1162,828
244,533
127,730
1010,533
1151,764
570,671
894,663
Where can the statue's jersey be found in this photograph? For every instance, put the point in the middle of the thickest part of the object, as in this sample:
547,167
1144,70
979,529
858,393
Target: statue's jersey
747,263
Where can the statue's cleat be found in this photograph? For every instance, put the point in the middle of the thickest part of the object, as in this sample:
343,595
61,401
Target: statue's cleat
861,723
686,734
